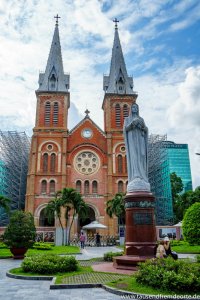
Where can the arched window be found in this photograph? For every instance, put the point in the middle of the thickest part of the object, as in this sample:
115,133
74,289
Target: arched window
53,162
47,113
86,187
45,162
44,221
78,186
94,187
118,115
55,113
120,164
120,187
52,82
125,164
44,187
52,187
125,111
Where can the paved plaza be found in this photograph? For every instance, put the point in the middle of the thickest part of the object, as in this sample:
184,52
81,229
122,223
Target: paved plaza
17,289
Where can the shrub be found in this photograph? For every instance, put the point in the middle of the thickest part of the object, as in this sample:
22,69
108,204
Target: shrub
2,246
177,243
167,274
42,246
21,230
49,264
109,255
191,224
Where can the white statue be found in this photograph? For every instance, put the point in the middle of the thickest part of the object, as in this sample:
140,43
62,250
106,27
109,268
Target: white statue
136,141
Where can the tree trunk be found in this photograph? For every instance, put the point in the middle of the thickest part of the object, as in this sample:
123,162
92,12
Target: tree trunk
70,228
62,230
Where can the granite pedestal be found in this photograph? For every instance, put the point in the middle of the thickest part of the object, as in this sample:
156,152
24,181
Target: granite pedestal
140,230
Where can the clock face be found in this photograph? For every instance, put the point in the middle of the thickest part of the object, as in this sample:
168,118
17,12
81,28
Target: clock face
87,133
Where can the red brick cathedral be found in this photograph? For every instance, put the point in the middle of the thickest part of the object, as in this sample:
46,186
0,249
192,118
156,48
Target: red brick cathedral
87,158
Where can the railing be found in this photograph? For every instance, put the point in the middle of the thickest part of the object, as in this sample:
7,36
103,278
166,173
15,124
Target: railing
91,241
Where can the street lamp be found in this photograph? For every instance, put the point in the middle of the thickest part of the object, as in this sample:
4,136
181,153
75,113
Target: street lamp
197,153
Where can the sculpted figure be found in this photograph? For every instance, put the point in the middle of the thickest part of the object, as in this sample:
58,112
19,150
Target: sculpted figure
136,141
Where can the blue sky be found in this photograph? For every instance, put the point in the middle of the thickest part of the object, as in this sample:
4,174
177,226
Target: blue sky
160,41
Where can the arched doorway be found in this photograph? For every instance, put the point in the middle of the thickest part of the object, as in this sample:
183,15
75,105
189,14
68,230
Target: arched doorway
43,220
89,219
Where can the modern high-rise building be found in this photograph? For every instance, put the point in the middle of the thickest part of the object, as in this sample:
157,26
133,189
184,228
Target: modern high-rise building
159,179
14,152
179,162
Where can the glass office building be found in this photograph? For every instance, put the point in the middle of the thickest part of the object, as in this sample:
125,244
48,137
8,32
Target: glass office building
159,179
14,152
179,162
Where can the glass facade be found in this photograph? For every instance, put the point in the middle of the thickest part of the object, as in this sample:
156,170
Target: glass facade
14,152
179,162
159,179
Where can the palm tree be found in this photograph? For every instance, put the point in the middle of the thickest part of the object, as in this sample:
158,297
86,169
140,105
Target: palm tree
54,208
5,204
72,200
116,207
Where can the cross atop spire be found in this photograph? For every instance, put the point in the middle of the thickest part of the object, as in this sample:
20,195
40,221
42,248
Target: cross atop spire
54,79
57,17
115,21
87,112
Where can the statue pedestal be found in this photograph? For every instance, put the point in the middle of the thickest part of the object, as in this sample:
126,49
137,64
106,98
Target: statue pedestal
140,230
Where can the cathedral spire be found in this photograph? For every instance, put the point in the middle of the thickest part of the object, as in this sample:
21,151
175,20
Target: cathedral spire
54,79
118,81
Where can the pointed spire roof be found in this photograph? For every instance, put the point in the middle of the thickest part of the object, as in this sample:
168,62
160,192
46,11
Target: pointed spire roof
118,81
54,79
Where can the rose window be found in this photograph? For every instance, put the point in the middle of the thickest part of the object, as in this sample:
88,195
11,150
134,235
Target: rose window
86,162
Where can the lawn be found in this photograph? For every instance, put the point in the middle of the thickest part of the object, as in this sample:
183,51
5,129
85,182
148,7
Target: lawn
181,247
5,252
186,248
130,284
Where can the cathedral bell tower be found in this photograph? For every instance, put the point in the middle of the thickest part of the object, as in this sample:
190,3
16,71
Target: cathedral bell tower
47,163
118,98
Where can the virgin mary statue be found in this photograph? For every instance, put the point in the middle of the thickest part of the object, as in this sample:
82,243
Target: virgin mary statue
136,141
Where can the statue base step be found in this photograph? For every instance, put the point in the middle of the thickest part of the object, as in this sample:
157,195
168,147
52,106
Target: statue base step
129,262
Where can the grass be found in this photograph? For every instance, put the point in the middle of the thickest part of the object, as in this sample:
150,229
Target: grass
186,248
130,285
59,276
5,252
181,247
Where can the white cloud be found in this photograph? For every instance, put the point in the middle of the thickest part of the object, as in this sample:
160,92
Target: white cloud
86,32
184,117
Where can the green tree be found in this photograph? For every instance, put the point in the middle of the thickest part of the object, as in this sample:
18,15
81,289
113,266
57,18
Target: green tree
21,230
53,209
116,207
184,201
176,188
191,224
72,201
5,204
176,184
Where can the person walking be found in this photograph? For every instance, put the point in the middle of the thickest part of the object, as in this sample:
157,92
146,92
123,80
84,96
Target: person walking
98,243
82,240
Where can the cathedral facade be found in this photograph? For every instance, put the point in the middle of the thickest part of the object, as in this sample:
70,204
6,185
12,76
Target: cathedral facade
87,158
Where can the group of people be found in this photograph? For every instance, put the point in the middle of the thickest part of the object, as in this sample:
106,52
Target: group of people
164,249
83,239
